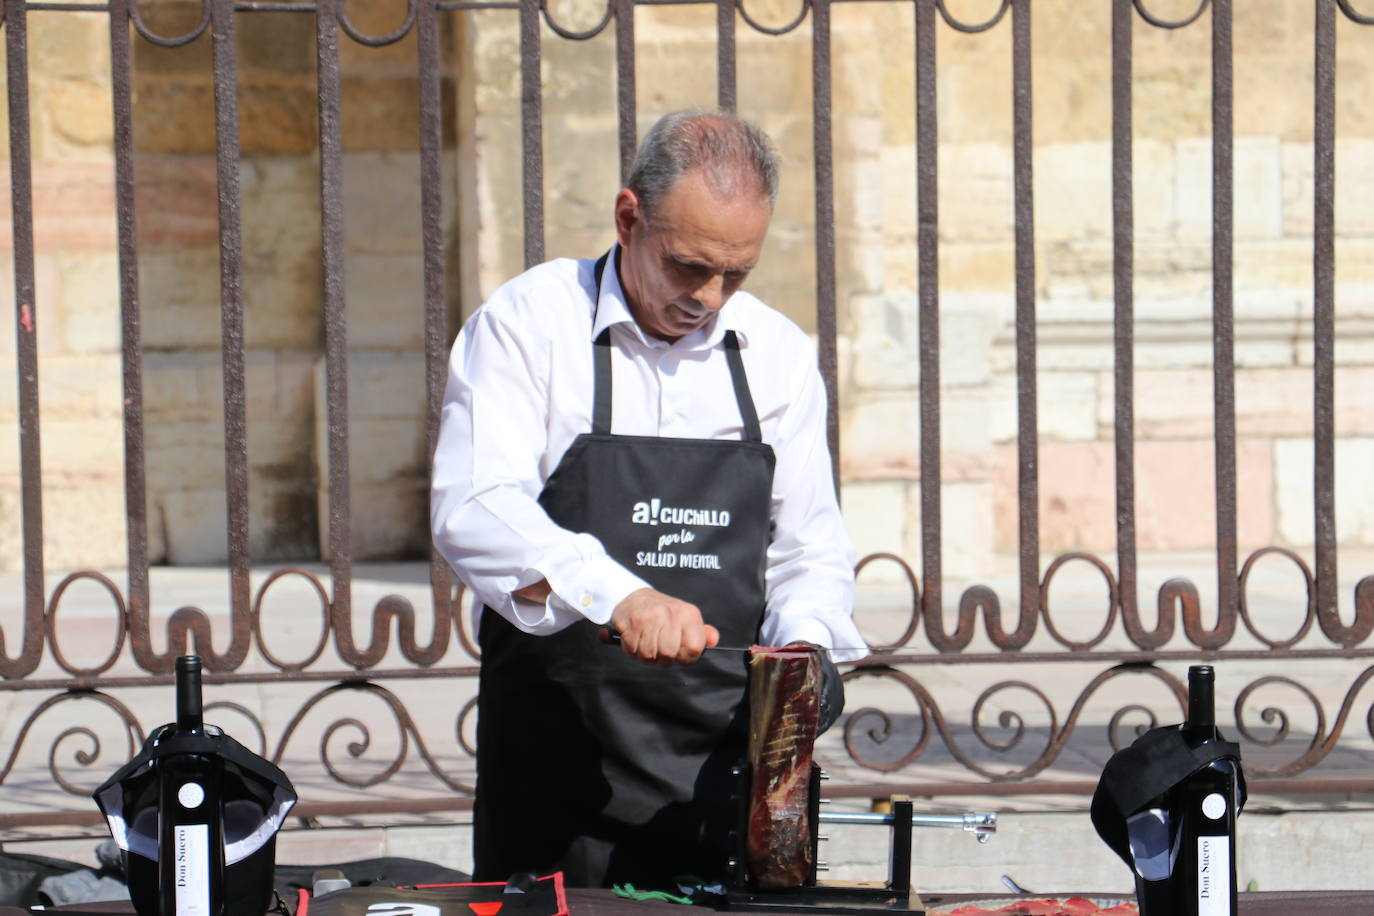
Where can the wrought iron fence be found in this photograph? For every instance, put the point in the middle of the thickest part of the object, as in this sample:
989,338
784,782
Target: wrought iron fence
370,669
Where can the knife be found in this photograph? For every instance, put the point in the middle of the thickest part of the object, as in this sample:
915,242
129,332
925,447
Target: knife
612,637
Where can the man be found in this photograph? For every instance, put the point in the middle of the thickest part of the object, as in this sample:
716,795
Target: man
634,445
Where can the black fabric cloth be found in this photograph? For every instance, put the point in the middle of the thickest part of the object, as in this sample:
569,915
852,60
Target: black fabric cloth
256,797
22,873
590,762
388,871
1136,777
544,896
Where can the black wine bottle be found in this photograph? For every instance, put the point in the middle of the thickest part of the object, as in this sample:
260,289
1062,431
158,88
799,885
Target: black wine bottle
1203,882
190,812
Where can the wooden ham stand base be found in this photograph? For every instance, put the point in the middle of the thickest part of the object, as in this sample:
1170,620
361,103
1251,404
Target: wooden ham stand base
860,897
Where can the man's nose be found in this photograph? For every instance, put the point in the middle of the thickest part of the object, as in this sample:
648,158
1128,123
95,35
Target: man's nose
711,294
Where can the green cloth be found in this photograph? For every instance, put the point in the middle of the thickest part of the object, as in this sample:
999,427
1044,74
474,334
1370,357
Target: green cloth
628,890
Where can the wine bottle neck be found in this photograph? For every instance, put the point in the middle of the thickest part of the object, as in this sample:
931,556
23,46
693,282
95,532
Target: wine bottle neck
1201,702
189,708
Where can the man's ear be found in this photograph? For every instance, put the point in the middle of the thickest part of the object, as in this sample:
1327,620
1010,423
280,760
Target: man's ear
627,215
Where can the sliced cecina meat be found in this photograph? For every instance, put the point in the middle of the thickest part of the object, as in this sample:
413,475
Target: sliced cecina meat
784,711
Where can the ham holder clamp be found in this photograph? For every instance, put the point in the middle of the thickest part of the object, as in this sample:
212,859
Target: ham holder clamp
778,796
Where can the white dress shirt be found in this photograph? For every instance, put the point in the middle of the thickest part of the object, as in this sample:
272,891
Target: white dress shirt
520,390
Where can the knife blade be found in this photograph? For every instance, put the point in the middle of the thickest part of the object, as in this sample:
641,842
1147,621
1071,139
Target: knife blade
612,637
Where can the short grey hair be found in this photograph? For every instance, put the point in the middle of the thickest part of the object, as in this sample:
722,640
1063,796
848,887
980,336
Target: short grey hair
736,156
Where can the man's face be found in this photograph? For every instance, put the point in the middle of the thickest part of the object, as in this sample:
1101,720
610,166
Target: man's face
680,266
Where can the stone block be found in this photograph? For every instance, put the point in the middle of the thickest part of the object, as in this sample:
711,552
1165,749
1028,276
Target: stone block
1298,188
885,353
1078,178
383,450
88,447
194,527
382,112
975,192
278,45
382,201
1354,188
387,520
184,456
11,512
1077,496
278,117
386,301
283,522
174,115
89,303
179,299
82,387
1257,182
967,526
1155,182
1258,193
281,527
76,117
965,432
974,268
1354,498
1174,495
878,520
172,19
879,438
70,47
176,200
1066,406
83,523
45,315
73,206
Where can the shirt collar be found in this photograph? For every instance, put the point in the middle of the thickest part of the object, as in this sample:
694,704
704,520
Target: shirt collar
612,309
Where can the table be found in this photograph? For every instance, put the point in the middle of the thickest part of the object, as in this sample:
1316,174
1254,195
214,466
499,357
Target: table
595,902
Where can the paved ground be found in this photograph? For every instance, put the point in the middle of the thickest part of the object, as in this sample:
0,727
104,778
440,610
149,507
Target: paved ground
1289,839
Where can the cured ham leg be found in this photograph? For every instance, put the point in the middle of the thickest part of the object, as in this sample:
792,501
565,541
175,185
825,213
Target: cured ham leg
784,713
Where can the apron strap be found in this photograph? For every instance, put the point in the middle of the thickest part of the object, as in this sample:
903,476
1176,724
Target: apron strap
601,385
745,400
601,352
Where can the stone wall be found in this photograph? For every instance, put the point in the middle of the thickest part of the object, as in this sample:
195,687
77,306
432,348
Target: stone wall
875,205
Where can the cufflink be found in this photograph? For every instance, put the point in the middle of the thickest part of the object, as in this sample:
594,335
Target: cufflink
586,600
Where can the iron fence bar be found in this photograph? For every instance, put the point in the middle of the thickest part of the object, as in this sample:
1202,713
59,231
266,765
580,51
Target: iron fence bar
339,531
823,144
1122,280
532,132
251,7
625,84
135,454
70,7
1257,786
928,295
1027,432
879,659
436,313
26,342
224,63
1323,318
725,55
1223,329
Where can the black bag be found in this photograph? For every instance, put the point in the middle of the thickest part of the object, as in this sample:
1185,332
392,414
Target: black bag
257,797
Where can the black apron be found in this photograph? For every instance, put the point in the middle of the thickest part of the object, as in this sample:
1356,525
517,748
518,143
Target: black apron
591,762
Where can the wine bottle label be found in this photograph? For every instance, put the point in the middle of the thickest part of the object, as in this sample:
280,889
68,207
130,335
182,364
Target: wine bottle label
192,869
191,795
1214,805
1213,876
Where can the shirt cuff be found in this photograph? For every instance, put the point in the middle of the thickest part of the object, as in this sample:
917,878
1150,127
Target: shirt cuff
815,631
591,587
